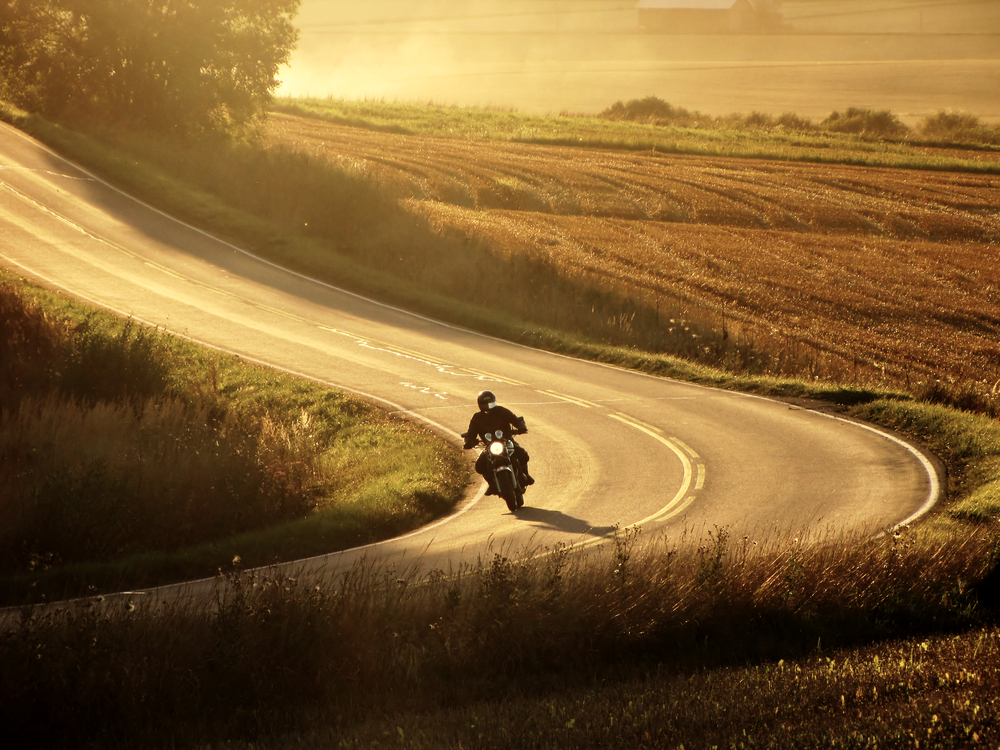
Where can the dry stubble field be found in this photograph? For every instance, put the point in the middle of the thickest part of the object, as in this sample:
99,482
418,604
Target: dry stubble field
859,269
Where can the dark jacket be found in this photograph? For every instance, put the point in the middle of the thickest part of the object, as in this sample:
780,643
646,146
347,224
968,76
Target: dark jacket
497,418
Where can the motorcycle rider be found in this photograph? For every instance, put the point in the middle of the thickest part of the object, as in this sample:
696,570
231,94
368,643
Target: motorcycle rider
489,419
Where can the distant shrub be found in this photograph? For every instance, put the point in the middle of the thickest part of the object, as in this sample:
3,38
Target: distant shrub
954,127
758,120
764,121
945,124
655,111
792,121
865,122
958,127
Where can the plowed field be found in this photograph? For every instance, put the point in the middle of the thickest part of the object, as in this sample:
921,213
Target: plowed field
872,268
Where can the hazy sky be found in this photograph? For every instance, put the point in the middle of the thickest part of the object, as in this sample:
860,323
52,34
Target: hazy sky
583,55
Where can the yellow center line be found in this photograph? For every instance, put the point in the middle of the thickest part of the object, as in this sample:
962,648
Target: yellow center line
681,500
622,417
282,313
413,354
693,474
167,271
685,446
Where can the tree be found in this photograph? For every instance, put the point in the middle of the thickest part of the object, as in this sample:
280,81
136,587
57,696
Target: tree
36,71
181,66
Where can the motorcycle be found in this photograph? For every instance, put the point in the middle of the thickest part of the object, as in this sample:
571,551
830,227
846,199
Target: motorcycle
507,473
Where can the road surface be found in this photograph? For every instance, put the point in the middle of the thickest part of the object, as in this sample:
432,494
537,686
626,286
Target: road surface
609,447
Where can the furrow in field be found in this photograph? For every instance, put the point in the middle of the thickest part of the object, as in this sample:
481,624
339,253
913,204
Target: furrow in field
866,265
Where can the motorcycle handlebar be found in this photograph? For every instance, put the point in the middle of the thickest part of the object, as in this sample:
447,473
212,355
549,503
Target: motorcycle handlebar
467,436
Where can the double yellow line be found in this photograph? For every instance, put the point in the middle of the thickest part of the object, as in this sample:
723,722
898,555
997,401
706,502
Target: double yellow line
693,467
694,470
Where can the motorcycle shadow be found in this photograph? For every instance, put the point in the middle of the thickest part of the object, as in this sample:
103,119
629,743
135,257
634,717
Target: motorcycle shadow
558,521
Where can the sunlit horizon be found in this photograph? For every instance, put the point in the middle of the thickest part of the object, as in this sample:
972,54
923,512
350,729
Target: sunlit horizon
581,56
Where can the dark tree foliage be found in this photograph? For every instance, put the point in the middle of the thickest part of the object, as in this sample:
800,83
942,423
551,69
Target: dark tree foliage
179,66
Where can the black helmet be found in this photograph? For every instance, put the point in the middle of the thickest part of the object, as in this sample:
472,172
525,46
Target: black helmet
487,400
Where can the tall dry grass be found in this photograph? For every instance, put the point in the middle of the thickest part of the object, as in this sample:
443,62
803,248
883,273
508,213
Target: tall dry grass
276,653
105,456
101,481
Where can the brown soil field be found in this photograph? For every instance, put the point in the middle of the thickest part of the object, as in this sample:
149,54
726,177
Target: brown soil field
864,274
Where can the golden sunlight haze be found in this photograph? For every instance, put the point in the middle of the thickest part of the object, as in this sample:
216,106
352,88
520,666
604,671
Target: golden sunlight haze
914,57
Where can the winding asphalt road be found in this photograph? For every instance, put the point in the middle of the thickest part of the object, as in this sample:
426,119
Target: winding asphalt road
609,447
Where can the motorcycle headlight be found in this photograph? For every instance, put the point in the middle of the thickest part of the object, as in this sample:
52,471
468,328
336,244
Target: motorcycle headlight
496,449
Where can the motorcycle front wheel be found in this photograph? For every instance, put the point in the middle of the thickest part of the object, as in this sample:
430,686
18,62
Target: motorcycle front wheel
508,490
